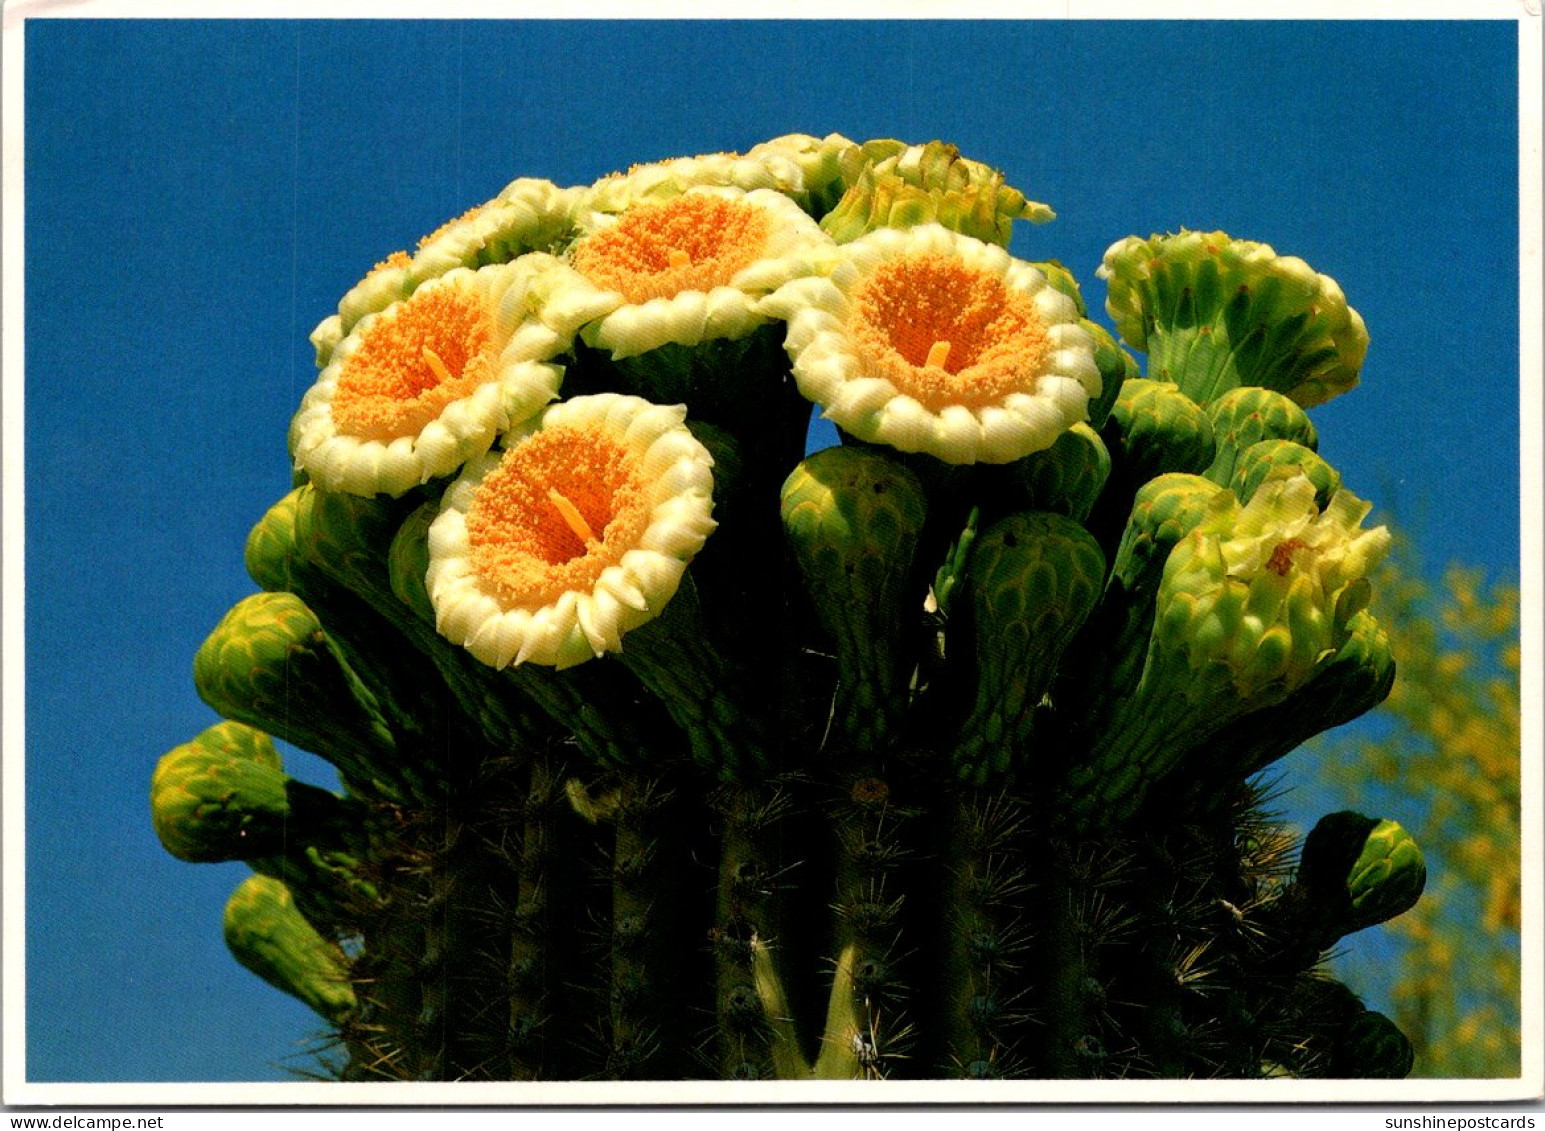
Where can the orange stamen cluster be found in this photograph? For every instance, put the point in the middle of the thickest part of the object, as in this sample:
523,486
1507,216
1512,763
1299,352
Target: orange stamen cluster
435,348
695,242
528,523
1281,561
946,334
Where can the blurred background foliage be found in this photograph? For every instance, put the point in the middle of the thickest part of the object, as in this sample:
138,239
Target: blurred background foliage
1443,751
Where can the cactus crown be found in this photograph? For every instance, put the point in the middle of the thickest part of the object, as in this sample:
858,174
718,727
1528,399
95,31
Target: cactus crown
670,750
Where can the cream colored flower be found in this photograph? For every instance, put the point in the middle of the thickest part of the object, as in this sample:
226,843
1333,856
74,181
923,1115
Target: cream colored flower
528,215
796,165
425,384
575,533
686,270
930,341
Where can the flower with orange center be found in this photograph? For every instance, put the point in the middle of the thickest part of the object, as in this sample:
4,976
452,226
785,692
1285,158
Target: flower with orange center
528,215
425,384
578,531
930,341
686,270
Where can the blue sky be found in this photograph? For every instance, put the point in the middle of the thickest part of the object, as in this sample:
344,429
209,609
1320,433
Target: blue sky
199,193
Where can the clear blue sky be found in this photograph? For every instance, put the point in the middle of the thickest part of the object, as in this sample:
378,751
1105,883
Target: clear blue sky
200,193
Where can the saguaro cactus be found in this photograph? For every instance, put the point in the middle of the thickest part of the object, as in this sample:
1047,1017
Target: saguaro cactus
671,751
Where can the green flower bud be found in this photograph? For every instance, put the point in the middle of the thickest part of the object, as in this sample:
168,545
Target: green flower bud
1244,416
1359,871
269,936
1279,459
1033,579
1067,477
210,803
1355,680
853,518
899,186
1153,429
1214,313
270,664
1116,367
238,740
1110,656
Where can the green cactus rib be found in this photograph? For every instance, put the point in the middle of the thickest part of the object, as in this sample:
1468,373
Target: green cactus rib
853,518
866,1030
650,1032
270,663
268,935
1033,579
986,942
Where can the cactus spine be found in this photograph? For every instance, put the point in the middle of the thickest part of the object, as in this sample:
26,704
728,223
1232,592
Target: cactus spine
669,753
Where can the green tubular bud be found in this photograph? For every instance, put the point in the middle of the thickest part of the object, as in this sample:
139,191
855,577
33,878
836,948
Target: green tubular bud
853,518
890,184
1372,1047
1214,313
1153,429
1116,366
209,804
270,937
1033,579
270,551
1111,655
1359,871
1242,417
238,740
270,664
1277,562
1068,476
346,537
1278,459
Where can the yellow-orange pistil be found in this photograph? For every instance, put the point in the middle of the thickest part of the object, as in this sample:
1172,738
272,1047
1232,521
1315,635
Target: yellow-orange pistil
944,333
562,506
435,348
695,242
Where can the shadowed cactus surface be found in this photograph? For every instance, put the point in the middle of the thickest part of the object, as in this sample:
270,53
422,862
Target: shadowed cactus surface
669,751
